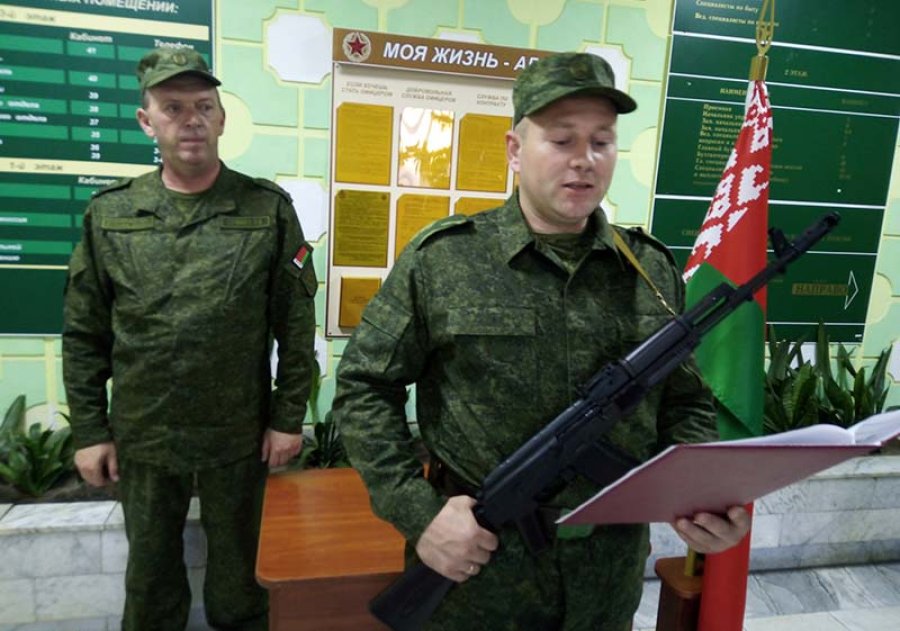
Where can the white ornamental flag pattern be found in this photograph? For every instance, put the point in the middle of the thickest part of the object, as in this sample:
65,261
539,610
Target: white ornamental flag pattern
744,186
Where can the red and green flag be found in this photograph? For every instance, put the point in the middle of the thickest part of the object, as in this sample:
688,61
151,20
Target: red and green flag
731,248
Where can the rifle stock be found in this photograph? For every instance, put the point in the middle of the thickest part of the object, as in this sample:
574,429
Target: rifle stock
407,603
512,492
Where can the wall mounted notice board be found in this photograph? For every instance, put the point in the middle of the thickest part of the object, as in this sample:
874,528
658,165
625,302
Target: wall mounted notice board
68,94
418,129
834,87
418,133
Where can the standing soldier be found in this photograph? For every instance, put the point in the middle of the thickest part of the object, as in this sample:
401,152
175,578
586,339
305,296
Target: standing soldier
181,281
498,318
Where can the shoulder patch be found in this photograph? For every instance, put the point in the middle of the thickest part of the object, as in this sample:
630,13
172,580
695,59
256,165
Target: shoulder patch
437,227
272,186
115,186
639,234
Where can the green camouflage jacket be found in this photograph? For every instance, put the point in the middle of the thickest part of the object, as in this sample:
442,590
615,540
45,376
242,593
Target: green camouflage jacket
180,311
497,336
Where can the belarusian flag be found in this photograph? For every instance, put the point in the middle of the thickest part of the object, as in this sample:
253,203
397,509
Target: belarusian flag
731,247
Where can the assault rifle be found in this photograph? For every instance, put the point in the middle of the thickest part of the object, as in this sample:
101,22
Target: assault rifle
572,443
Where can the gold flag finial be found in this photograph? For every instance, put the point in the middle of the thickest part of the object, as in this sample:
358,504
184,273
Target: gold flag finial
765,28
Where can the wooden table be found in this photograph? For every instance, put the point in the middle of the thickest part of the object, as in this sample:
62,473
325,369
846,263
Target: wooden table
322,552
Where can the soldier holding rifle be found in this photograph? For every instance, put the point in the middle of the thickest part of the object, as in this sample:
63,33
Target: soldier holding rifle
498,318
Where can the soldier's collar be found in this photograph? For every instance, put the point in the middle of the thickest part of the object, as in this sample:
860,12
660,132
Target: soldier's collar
218,199
603,231
516,235
150,194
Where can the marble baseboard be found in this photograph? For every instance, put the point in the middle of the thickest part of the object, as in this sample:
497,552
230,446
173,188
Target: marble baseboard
62,565
79,624
827,554
823,589
853,598
196,622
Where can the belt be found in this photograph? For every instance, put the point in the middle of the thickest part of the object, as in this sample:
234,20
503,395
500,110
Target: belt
446,481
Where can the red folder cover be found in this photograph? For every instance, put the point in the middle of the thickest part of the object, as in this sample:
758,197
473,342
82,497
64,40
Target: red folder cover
710,477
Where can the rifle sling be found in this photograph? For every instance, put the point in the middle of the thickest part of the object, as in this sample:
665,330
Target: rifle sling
626,251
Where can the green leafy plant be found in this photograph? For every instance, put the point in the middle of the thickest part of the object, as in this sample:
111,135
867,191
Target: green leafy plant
799,393
13,424
35,459
322,447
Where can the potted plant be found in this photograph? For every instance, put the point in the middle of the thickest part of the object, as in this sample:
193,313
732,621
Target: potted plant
322,446
800,393
33,460
37,462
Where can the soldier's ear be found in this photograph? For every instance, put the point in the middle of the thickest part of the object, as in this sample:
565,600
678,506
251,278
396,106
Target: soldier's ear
513,149
143,120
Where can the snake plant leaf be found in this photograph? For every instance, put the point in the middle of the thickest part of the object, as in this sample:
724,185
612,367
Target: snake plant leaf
841,406
878,382
823,353
14,419
862,395
846,369
802,403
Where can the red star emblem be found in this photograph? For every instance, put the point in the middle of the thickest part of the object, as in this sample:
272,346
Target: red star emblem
357,45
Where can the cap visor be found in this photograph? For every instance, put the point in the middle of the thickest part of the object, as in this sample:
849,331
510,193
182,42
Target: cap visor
623,103
177,73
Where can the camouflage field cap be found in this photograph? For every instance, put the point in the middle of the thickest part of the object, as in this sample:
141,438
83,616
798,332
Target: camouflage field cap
566,74
161,64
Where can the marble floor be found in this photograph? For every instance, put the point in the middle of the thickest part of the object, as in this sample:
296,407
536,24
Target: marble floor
851,598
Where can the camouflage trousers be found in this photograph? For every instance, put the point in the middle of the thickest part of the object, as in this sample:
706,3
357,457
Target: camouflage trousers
155,503
588,584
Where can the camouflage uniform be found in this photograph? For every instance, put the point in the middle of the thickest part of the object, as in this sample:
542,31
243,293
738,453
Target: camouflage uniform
497,336
180,311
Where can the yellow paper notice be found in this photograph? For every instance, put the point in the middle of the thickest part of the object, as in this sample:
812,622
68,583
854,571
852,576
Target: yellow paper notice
414,212
425,148
482,153
355,295
361,228
363,151
472,205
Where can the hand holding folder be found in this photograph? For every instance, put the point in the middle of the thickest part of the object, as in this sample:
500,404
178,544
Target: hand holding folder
710,477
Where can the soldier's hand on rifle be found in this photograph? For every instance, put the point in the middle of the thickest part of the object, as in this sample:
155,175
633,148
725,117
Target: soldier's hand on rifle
709,534
453,544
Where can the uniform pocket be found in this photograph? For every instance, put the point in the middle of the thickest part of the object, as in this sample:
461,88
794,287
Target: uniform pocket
497,346
138,257
247,247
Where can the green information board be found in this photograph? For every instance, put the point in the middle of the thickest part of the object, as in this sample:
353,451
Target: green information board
68,95
834,88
